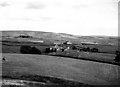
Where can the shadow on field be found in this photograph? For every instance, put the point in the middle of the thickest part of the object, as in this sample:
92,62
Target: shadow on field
47,81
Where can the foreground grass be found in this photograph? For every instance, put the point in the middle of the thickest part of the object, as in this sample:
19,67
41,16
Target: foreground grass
44,81
87,72
89,56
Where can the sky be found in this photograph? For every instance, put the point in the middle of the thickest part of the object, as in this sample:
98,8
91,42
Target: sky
78,17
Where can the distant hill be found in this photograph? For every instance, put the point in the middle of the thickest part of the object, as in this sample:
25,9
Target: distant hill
43,35
107,40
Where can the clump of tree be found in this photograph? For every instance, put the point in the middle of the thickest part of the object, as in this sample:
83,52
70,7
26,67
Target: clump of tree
117,57
88,49
50,50
94,50
34,50
29,50
47,50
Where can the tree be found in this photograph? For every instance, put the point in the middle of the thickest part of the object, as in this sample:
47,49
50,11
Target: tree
34,50
94,50
25,49
29,50
117,58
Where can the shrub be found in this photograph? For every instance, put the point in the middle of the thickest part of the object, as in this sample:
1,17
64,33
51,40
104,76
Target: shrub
74,47
117,52
29,50
88,49
47,50
117,58
94,50
34,50
25,49
84,49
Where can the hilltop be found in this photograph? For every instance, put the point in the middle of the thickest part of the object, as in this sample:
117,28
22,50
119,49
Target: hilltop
51,36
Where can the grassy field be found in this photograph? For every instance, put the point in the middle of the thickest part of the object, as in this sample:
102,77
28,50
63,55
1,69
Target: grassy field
8,47
104,48
82,67
88,72
25,41
16,48
89,56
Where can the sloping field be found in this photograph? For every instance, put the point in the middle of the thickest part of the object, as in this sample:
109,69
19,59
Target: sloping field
105,40
99,57
104,48
88,72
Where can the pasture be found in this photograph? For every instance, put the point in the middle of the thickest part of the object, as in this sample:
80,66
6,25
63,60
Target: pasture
72,67
104,48
8,47
87,72
12,47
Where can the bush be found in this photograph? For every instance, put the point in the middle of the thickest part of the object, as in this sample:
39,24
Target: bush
34,50
29,50
47,50
117,52
74,47
88,49
85,49
117,58
25,49
94,50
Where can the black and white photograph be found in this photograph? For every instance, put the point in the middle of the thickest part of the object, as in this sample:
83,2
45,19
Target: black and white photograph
59,43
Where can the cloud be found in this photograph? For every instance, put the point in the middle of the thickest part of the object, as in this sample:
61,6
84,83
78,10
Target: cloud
32,19
35,5
79,6
68,16
4,4
22,19
47,18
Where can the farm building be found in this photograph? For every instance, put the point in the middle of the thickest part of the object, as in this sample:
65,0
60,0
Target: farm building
36,41
89,43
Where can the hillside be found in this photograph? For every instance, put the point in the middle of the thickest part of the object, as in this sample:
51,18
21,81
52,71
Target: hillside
85,67
104,40
88,72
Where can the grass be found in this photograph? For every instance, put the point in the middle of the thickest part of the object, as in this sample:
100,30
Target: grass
45,81
104,48
89,56
8,47
82,71
15,48
98,69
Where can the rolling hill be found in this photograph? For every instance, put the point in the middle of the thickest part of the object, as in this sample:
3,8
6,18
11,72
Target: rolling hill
104,40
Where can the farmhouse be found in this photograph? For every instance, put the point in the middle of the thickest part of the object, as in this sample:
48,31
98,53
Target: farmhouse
67,43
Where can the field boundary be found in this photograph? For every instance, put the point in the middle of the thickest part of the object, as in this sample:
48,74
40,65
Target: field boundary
87,59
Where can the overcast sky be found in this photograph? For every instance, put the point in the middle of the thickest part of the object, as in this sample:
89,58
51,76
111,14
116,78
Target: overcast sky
78,17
